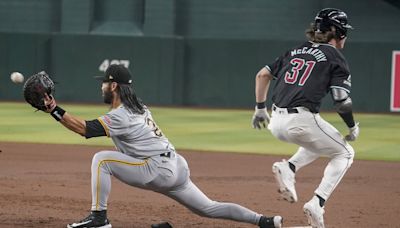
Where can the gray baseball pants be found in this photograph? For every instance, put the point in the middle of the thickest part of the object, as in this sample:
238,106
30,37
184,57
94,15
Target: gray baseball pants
167,175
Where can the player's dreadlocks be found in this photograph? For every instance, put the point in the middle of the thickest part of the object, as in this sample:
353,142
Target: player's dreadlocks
129,99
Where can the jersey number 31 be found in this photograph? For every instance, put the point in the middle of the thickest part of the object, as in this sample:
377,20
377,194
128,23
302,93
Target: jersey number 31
297,66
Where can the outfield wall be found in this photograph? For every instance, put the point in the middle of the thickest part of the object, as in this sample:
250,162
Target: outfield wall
185,52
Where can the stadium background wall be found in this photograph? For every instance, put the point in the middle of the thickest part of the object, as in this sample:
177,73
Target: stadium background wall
186,52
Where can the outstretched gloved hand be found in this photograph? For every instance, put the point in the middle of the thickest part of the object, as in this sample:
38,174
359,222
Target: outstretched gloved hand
36,88
259,118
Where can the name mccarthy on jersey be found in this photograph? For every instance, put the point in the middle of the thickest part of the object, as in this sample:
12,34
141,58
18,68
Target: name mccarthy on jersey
318,54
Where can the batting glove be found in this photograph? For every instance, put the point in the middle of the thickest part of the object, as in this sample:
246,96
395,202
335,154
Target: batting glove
259,118
353,133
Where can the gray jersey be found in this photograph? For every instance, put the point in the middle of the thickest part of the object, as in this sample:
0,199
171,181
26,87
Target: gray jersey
136,135
148,161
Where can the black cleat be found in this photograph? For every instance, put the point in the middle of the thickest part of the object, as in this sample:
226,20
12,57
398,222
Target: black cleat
96,219
270,222
162,225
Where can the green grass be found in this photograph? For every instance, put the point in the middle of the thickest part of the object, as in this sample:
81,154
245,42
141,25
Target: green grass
200,129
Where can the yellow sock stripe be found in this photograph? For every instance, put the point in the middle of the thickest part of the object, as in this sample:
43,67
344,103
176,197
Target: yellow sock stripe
104,126
98,174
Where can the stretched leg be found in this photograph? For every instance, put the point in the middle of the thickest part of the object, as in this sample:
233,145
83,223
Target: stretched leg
193,198
189,195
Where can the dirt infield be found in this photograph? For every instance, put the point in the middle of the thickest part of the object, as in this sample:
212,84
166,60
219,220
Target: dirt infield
49,186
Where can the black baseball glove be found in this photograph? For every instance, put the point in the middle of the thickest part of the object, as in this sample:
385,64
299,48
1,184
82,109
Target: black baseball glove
36,88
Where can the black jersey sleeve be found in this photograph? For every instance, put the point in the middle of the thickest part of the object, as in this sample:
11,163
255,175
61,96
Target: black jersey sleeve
341,77
94,129
275,66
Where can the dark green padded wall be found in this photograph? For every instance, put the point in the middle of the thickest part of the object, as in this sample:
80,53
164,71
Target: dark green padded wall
245,19
26,53
77,16
153,62
118,17
187,52
30,16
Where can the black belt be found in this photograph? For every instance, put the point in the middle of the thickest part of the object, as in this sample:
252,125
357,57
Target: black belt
168,154
289,110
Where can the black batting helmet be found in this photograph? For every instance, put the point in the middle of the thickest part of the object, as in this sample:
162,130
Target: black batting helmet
332,17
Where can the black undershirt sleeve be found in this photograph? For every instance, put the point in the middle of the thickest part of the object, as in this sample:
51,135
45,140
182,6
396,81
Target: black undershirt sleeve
94,129
348,119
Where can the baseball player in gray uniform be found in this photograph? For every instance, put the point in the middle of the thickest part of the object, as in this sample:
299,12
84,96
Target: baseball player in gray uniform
304,75
144,157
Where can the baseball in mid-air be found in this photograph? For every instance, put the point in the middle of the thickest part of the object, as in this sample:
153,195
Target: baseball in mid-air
17,77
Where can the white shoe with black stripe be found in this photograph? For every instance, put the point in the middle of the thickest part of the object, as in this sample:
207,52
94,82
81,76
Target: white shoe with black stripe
314,213
285,179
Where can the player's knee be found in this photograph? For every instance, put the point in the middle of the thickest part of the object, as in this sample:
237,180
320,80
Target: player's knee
351,158
350,152
347,153
98,158
347,156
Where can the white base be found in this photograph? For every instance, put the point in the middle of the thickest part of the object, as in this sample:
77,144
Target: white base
297,227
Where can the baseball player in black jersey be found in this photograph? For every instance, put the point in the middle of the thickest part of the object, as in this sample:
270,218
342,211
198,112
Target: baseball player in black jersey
304,75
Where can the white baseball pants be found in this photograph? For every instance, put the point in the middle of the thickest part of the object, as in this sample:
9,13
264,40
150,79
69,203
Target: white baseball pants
316,138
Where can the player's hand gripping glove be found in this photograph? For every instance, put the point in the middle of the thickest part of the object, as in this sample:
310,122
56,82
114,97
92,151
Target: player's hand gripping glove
353,133
38,90
50,103
259,118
